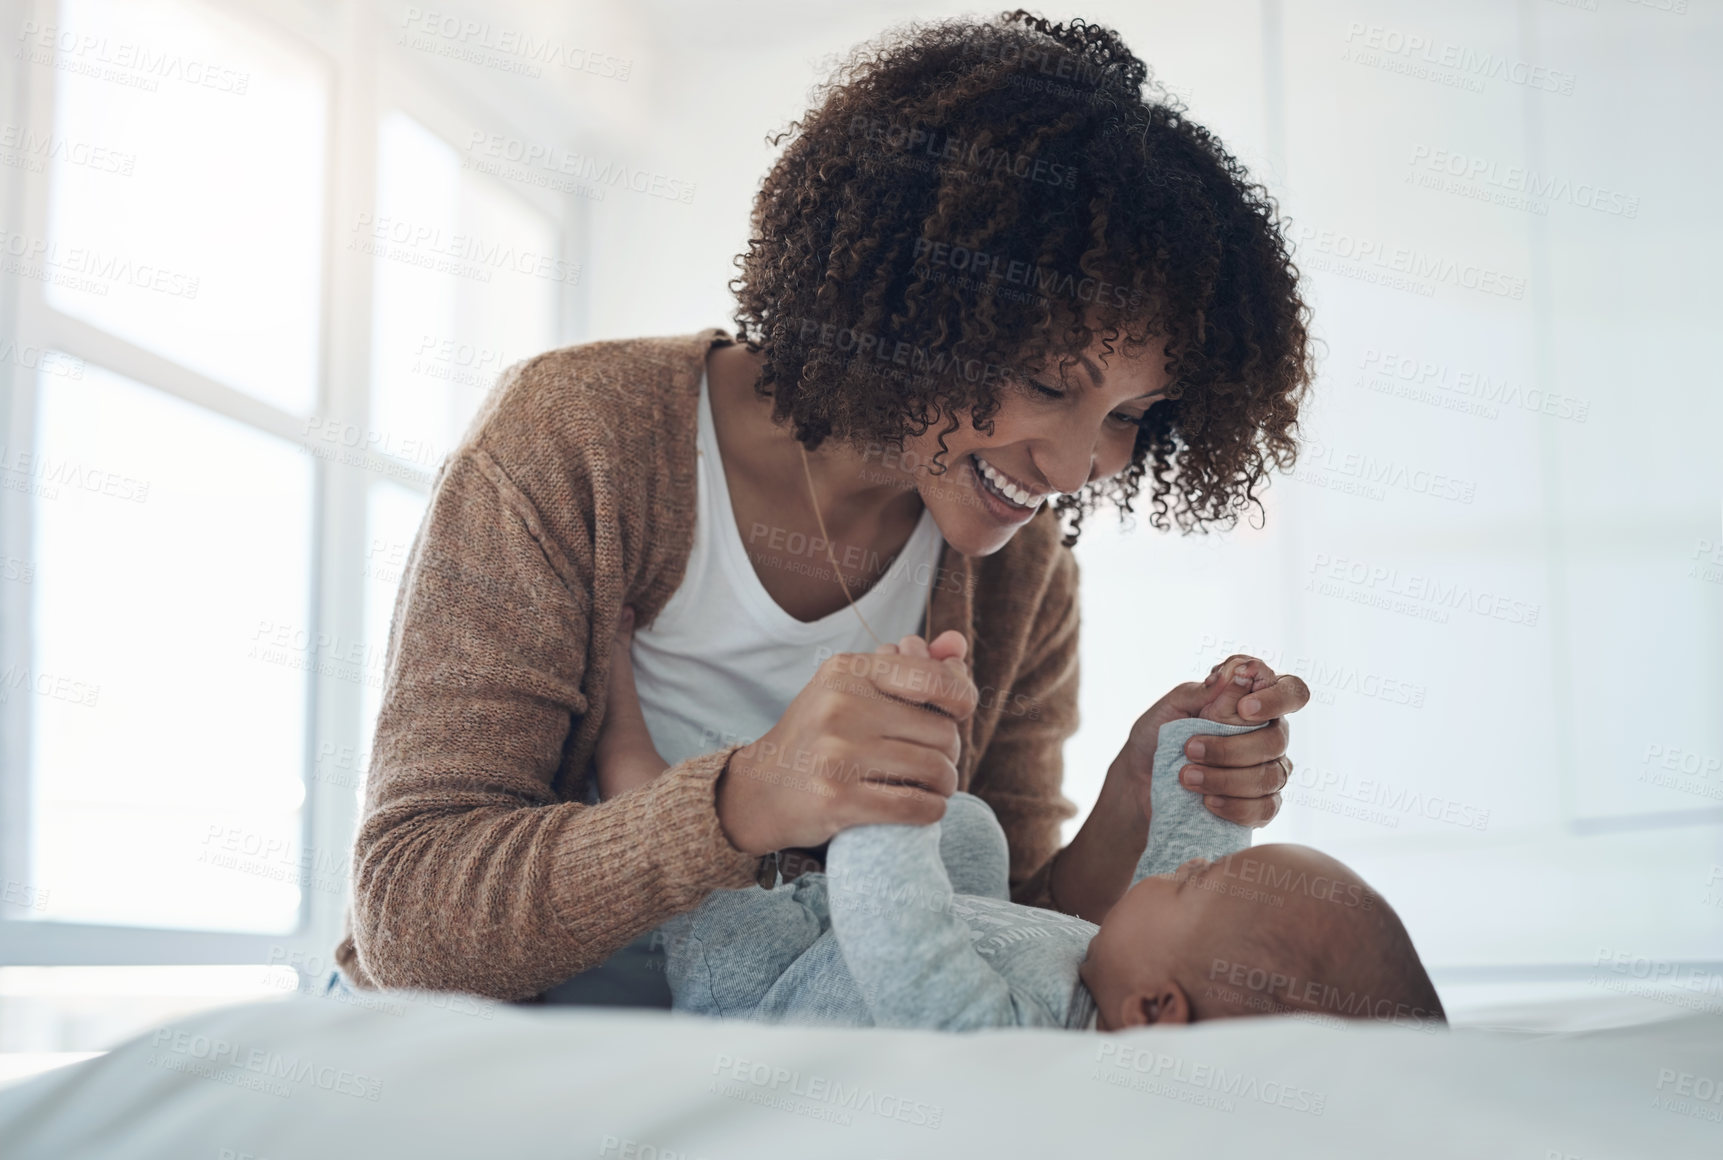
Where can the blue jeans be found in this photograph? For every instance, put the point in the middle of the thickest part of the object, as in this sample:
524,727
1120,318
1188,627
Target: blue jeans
633,977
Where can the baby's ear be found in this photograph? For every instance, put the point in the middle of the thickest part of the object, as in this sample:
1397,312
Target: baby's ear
1163,1002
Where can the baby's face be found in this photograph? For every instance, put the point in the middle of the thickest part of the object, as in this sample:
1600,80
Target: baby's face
1157,933
1152,923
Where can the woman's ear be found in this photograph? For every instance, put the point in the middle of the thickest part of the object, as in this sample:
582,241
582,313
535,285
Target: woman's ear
1162,1002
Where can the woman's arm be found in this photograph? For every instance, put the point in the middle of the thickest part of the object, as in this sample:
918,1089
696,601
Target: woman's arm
625,757
471,872
1021,772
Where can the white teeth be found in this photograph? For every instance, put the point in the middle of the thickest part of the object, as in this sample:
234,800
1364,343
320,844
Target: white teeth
1016,494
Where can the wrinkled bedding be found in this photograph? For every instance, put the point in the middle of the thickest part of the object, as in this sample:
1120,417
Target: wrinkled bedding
396,1076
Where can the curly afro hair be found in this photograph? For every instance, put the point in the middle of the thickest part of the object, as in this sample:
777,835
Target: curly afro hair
975,200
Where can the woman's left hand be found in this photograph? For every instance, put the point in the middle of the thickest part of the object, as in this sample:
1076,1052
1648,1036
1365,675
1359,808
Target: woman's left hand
1241,776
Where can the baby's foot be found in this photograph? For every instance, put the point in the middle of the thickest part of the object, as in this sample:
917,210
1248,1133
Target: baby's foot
948,647
626,756
1231,684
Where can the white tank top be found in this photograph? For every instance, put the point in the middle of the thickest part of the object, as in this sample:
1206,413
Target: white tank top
723,660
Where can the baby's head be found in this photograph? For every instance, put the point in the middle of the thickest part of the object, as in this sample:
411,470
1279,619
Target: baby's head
1271,930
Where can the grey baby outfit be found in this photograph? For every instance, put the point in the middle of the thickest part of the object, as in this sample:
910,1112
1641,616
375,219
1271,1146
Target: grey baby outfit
913,926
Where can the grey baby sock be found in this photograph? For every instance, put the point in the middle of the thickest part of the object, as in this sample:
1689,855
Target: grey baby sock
1181,827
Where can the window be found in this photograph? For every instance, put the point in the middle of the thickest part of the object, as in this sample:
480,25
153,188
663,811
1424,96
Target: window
259,299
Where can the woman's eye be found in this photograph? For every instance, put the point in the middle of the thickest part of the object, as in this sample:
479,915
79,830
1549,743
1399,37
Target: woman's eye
1047,391
1129,420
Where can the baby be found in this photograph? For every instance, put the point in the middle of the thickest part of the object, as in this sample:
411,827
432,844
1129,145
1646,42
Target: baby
913,926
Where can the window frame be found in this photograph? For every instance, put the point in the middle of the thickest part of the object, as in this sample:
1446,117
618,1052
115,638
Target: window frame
366,80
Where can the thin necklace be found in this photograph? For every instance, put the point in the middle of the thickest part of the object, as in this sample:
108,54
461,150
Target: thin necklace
927,625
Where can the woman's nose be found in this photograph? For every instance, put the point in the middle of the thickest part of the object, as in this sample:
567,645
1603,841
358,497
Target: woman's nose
1067,462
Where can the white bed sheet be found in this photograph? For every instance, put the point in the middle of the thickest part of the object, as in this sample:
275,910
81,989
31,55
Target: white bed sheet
314,1078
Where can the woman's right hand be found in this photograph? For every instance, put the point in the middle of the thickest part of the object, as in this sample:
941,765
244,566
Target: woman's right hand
871,738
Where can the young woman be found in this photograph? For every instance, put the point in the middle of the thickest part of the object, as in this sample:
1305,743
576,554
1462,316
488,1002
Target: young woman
990,286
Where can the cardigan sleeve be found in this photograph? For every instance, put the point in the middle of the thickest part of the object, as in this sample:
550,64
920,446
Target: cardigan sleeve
471,872
1022,769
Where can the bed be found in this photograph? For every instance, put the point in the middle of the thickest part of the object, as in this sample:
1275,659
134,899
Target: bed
402,1075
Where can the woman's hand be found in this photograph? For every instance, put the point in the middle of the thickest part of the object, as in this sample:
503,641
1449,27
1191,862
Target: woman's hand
871,738
1240,776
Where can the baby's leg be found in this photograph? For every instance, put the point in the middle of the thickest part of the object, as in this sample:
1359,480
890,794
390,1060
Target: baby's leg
729,952
1181,827
971,842
972,846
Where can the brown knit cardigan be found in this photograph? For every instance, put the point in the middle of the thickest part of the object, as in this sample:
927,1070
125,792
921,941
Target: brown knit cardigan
477,867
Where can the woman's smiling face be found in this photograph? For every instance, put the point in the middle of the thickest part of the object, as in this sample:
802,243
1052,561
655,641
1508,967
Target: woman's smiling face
1050,436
